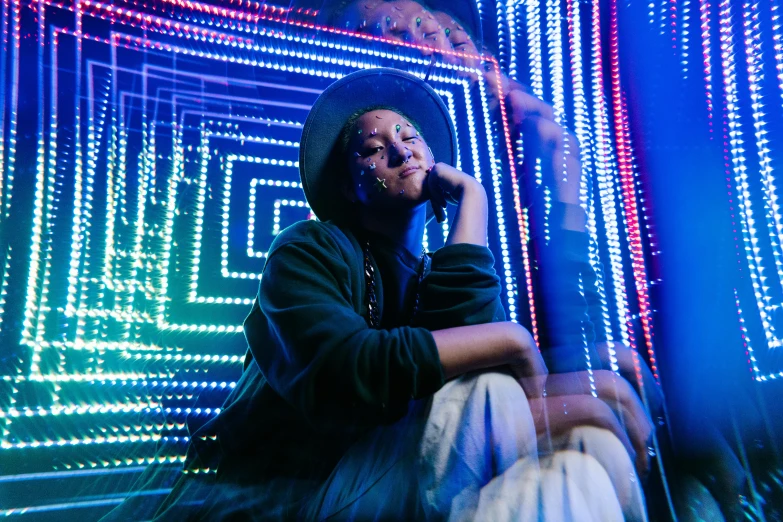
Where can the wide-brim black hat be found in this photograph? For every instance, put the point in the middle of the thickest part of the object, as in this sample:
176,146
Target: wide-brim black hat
322,166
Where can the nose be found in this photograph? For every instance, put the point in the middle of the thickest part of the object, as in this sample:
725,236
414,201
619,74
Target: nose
399,153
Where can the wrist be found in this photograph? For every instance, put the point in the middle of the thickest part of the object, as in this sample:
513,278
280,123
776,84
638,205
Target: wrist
472,189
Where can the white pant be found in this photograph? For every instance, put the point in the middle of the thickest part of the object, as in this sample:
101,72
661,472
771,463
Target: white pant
470,453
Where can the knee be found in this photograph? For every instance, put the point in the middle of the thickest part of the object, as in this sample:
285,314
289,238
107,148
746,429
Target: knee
494,383
599,442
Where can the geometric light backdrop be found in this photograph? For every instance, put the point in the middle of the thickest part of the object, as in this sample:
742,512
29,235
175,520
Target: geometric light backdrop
148,156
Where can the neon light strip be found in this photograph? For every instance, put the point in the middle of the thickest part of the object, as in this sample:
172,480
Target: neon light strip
4,51
685,39
603,162
772,216
497,180
521,215
584,136
511,20
734,142
251,252
706,50
777,39
625,154
15,9
147,20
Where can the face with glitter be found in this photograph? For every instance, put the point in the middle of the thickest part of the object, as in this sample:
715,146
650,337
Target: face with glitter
387,161
459,39
399,20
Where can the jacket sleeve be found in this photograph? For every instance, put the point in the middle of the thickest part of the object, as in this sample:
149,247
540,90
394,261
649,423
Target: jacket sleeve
461,289
320,355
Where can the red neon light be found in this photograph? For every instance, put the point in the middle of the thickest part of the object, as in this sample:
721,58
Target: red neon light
625,166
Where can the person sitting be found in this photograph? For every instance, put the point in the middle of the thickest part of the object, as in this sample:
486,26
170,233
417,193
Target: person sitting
573,335
383,382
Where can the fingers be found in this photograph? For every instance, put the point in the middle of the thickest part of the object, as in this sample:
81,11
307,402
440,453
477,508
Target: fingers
440,213
615,394
436,195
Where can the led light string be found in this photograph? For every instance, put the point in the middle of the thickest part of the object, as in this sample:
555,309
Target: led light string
496,174
15,10
624,154
534,45
777,42
511,21
228,168
4,283
604,174
706,49
44,181
521,215
94,138
251,252
685,37
752,362
734,142
4,50
162,22
583,134
668,16
752,32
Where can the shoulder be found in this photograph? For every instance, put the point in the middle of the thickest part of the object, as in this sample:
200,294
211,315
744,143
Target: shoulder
325,237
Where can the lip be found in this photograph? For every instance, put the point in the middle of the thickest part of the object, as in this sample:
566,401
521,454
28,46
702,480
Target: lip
409,170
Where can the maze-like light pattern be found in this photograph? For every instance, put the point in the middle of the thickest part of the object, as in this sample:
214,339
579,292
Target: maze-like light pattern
165,163
153,161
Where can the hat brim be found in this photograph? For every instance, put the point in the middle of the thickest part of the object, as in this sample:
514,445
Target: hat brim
321,165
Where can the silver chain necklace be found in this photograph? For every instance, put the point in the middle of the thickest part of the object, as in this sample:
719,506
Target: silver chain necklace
369,278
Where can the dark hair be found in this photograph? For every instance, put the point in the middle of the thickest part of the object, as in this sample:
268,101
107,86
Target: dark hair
349,129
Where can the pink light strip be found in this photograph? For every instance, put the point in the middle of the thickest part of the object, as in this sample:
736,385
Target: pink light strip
624,160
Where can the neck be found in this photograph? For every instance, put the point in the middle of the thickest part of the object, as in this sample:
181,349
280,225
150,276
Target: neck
405,228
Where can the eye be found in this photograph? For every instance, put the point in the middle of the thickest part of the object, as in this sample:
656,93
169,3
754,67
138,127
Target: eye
402,34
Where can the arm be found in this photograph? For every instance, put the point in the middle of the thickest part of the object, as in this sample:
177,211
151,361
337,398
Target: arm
566,324
478,347
611,390
449,185
462,287
318,353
